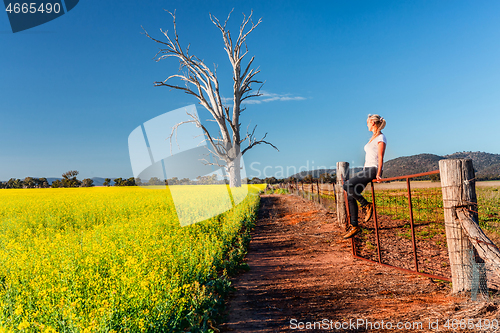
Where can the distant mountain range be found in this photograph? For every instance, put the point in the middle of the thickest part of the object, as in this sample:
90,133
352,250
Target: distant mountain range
486,165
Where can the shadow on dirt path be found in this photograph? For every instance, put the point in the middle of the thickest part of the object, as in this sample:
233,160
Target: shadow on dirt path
301,271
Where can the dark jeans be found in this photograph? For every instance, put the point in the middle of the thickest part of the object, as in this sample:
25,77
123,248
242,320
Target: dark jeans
354,187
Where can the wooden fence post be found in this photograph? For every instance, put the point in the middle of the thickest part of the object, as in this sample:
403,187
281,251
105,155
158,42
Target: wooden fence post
319,197
459,191
342,174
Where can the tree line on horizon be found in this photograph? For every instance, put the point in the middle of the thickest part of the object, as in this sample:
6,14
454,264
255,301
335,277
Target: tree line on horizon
69,179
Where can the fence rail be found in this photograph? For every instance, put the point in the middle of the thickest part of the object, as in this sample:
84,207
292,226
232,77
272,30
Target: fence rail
434,232
394,217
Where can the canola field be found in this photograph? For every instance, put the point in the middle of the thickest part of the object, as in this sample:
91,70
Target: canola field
114,260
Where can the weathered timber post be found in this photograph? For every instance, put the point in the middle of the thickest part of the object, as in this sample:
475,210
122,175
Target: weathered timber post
459,191
319,197
342,175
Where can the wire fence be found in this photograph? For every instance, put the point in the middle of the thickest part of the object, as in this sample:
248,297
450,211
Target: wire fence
321,193
407,230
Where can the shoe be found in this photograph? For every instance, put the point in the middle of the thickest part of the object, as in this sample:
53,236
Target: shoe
368,209
352,231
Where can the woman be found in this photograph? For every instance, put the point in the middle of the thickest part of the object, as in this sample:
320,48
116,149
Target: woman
374,162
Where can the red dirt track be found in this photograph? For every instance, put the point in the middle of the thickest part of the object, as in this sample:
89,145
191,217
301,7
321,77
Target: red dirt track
301,270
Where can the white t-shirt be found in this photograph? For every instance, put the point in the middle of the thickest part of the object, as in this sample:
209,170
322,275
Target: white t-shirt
371,150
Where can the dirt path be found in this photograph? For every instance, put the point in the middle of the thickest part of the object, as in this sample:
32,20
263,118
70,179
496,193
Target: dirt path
301,271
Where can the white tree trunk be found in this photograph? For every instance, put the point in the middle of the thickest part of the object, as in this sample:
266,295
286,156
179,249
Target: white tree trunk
234,172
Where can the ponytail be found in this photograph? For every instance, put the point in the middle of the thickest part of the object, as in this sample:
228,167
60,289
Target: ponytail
379,123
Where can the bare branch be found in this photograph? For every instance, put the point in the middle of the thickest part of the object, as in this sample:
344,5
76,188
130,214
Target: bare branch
174,130
206,162
248,136
253,144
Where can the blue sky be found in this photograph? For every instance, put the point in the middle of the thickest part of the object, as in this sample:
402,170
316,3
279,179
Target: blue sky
73,89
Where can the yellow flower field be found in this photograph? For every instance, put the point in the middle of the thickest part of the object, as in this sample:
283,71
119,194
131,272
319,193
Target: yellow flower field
113,260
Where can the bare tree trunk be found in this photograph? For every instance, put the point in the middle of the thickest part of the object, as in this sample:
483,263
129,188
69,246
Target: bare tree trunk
458,191
234,172
342,175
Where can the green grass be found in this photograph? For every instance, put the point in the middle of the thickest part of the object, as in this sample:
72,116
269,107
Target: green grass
488,199
428,207
427,204
277,191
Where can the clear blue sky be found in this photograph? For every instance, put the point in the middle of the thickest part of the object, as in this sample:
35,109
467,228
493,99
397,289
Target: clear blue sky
73,89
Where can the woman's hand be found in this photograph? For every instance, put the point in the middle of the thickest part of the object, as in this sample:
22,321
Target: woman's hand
378,179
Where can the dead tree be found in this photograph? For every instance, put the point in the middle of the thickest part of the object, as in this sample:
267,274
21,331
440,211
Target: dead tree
201,82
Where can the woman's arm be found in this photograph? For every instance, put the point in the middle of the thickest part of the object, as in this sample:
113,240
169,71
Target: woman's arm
381,151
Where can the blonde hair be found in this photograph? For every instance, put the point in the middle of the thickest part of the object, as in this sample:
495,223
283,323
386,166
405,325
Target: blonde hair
379,123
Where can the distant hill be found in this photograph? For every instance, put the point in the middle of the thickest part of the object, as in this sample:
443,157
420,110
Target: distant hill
314,173
491,172
480,160
51,180
408,165
98,181
486,165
